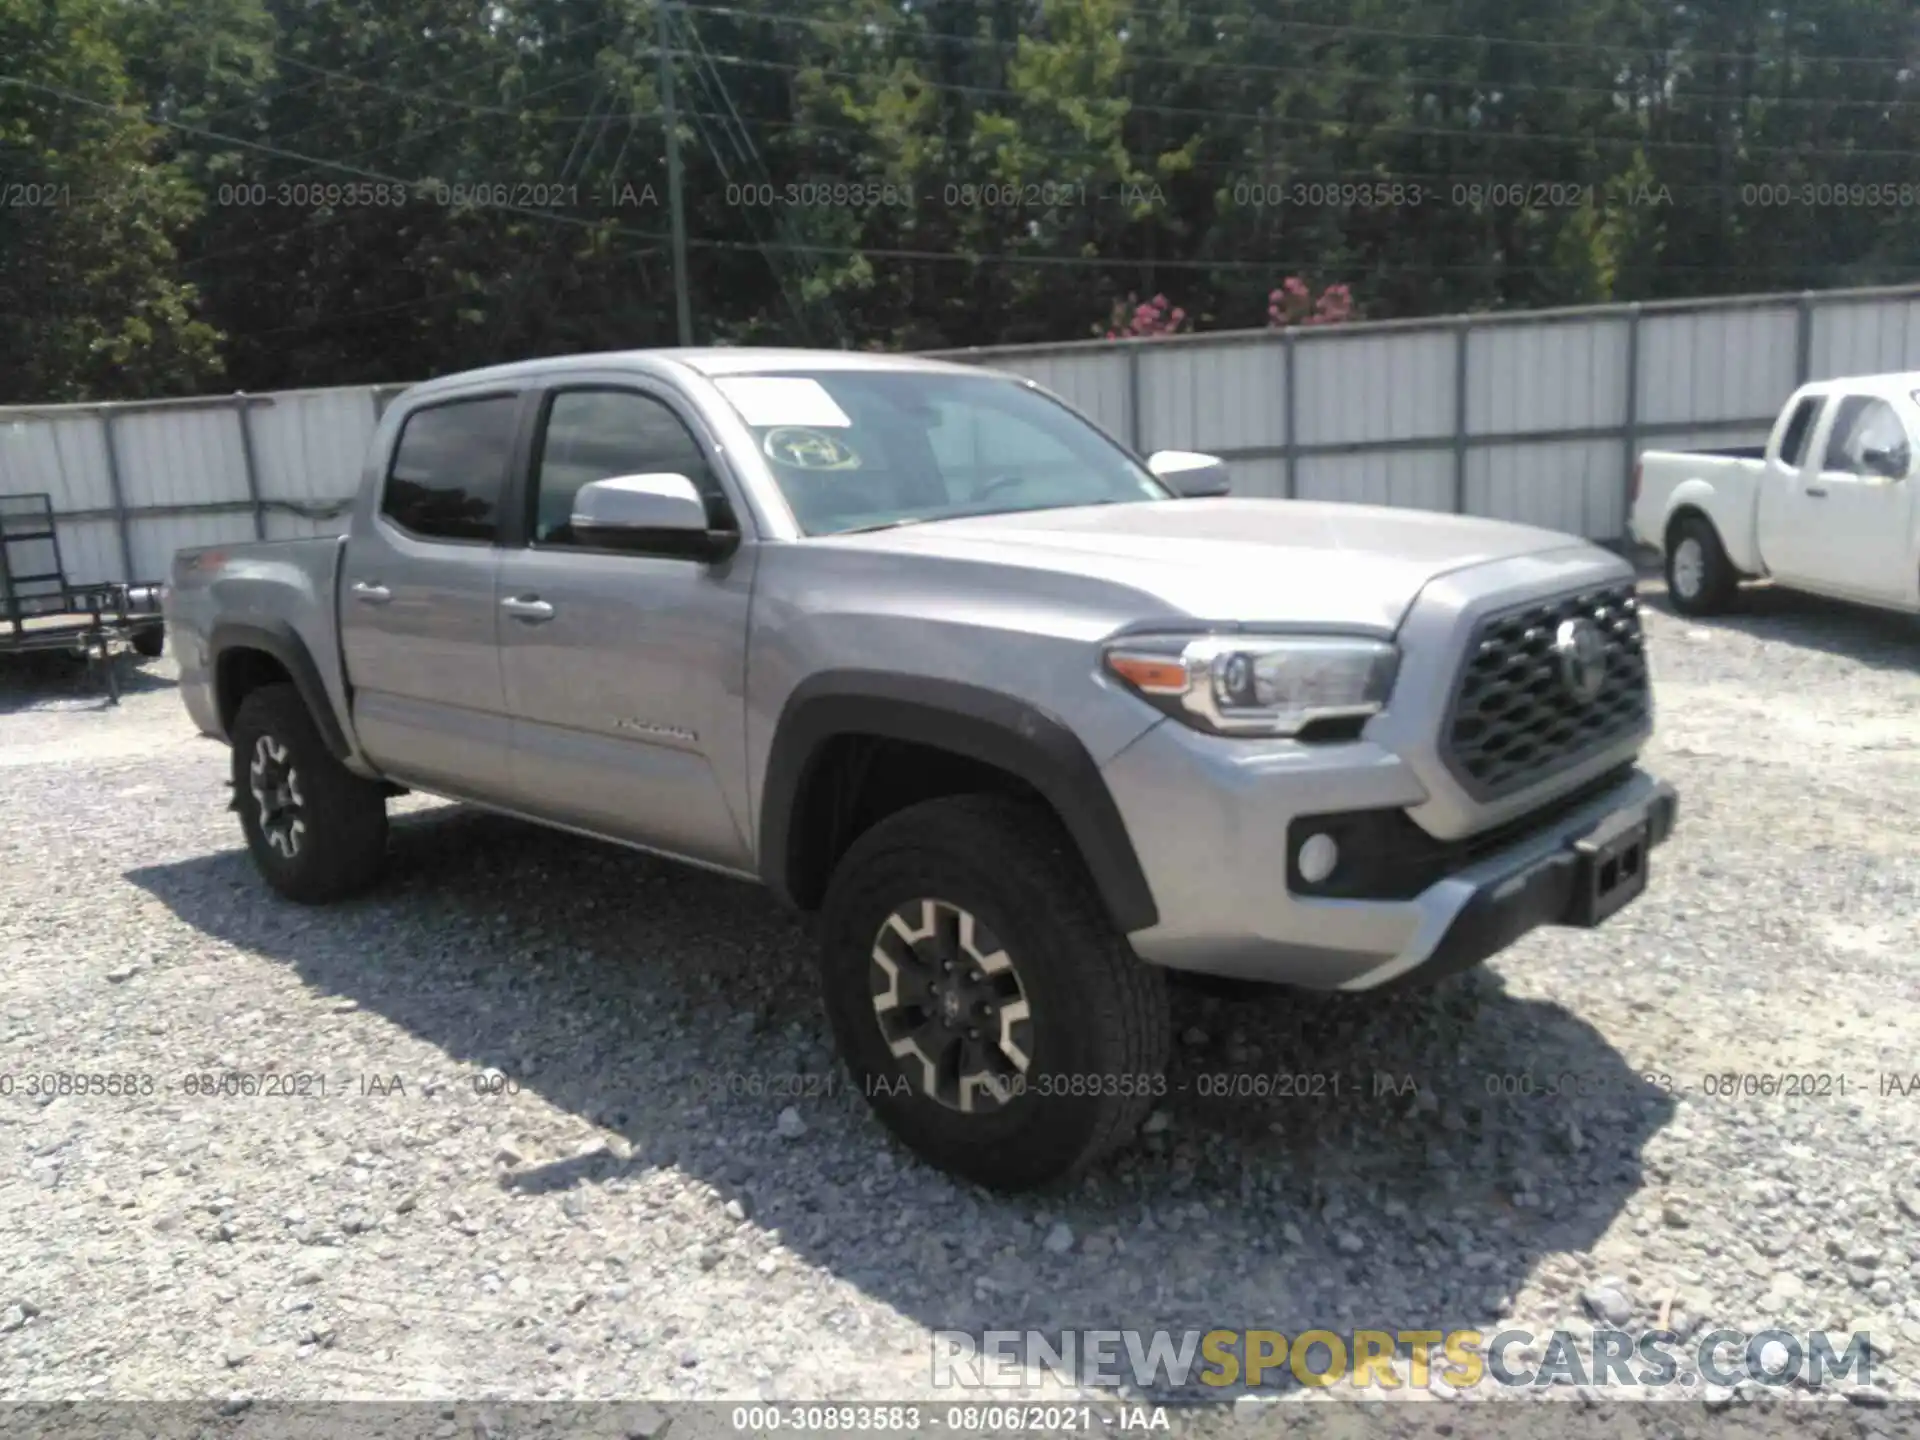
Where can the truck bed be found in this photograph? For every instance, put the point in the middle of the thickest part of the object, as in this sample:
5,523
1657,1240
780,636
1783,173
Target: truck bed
284,588
1724,484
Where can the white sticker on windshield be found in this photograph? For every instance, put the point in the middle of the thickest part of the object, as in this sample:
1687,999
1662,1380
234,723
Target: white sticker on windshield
764,400
801,449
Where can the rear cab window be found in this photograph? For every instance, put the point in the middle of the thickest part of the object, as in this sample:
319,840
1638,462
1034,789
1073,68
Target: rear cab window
1793,443
449,469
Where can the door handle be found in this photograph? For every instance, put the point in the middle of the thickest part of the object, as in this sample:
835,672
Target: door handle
530,608
368,594
1818,492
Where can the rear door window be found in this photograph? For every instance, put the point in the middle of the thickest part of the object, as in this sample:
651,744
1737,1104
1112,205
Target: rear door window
450,469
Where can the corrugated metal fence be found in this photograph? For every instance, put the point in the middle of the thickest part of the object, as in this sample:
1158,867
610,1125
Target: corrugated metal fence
1531,416
134,481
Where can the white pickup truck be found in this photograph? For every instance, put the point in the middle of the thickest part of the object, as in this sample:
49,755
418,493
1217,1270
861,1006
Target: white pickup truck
1828,505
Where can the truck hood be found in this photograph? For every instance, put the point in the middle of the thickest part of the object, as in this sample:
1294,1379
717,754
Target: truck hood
1258,561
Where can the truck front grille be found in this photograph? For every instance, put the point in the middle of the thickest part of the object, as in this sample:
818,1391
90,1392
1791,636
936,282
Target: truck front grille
1521,711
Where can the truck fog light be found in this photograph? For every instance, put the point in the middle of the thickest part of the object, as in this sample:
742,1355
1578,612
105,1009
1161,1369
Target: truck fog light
1318,855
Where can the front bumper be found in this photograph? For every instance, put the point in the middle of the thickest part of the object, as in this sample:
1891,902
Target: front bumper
1530,890
1210,823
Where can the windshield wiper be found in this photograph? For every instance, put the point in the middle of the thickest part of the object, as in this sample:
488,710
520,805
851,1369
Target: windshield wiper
975,515
887,525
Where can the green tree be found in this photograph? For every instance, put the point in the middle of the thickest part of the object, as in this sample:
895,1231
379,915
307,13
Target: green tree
908,173
91,302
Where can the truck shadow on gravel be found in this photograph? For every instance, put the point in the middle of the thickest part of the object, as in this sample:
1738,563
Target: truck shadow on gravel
1882,639
49,679
1397,1162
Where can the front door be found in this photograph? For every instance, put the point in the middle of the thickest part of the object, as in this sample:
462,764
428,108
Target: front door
1790,497
625,673
417,609
1860,539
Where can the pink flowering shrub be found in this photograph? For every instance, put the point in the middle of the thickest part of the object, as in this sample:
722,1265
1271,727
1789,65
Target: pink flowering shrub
1134,318
1294,303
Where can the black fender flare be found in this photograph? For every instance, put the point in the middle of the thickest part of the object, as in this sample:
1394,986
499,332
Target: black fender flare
984,725
280,640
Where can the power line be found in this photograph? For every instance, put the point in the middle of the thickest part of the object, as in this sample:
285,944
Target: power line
341,166
1632,143
491,61
509,310
709,77
1635,143
1271,265
1624,48
415,95
374,60
1320,72
1212,114
682,291
315,165
334,320
901,253
635,117
349,168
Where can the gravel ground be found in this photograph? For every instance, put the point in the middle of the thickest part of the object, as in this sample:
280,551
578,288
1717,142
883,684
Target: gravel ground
582,1137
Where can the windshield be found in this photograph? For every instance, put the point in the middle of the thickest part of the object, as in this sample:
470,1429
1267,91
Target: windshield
858,449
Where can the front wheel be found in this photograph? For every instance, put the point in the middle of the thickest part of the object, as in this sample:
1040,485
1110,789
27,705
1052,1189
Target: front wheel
316,830
986,1006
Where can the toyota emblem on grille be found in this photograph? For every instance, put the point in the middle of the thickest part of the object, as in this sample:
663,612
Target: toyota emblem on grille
1582,657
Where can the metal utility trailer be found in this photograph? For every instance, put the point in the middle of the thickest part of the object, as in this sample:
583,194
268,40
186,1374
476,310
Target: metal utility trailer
41,611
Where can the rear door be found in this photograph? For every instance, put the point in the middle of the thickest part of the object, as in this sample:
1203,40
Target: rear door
625,673
417,608
1859,539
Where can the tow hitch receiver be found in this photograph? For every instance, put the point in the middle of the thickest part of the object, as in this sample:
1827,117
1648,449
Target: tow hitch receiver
1611,867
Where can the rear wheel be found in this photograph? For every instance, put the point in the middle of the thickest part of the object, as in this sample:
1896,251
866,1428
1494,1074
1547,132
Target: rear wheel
150,641
992,1015
1700,577
317,831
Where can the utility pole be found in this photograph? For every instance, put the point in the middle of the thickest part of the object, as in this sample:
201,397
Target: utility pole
683,307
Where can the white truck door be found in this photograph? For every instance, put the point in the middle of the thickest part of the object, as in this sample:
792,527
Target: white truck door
1860,541
1786,508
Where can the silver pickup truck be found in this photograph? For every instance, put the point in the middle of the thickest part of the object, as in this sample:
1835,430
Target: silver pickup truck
1021,720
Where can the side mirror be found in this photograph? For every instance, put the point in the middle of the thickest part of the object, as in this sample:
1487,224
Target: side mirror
1891,463
1189,474
658,513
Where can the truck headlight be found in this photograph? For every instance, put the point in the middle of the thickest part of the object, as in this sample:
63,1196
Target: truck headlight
1257,685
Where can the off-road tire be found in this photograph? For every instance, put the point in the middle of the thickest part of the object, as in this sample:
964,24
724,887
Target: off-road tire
343,839
1099,1022
1694,549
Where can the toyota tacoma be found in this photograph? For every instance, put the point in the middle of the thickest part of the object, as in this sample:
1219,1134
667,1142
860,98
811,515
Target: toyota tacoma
1022,721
